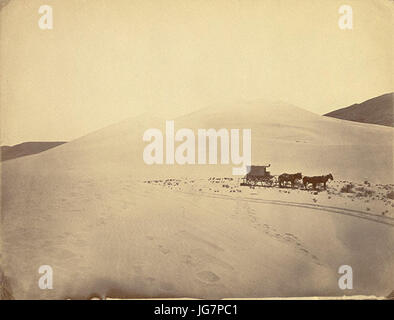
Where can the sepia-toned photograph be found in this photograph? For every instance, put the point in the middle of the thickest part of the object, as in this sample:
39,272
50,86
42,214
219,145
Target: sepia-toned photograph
196,149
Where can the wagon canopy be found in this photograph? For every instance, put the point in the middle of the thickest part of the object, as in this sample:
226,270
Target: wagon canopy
258,171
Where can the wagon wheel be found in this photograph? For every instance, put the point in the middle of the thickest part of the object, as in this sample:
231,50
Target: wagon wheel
273,181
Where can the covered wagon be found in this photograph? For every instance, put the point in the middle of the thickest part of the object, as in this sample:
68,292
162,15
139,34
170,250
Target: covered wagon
258,176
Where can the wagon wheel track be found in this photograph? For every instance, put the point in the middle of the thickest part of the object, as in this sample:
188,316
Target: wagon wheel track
344,211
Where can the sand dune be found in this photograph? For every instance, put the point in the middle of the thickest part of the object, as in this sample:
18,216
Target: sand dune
289,138
84,209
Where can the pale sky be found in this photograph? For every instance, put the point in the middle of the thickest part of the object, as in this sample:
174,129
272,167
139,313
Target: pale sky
107,60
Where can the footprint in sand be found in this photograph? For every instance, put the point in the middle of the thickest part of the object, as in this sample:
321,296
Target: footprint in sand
163,250
189,260
208,276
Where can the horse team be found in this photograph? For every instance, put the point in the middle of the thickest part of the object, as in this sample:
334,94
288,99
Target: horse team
293,178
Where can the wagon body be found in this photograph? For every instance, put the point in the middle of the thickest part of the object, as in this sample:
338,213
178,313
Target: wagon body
258,171
258,175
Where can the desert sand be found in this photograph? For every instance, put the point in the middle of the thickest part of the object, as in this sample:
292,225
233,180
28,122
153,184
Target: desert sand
110,225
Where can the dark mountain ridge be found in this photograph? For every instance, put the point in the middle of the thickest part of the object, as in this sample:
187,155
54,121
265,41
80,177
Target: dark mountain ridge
27,148
378,110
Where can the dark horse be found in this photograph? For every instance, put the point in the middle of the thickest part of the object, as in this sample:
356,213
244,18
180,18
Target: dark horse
285,177
316,180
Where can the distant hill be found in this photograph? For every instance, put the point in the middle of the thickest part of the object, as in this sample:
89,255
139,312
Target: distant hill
27,148
377,110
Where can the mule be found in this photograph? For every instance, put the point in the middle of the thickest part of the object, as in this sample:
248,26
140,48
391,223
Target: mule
317,180
286,177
